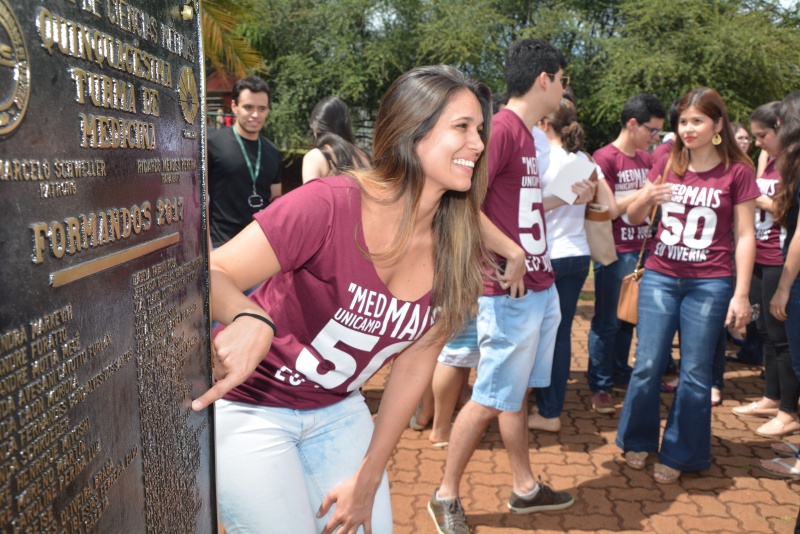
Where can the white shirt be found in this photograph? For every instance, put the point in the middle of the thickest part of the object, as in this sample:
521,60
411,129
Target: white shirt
542,144
566,236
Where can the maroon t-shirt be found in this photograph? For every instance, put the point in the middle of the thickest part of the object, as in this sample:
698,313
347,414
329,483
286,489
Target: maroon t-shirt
694,238
625,175
337,322
769,234
662,151
514,200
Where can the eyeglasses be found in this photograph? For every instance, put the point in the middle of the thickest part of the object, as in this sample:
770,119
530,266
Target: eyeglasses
564,79
654,132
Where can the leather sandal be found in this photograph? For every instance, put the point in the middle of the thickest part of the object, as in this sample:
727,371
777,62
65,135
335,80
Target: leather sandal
777,429
780,468
752,409
785,449
413,424
636,460
664,474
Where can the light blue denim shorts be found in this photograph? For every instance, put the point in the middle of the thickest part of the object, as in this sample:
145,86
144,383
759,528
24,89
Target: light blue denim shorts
516,338
463,351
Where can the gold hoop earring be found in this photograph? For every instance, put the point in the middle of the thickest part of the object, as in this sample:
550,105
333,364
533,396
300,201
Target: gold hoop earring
716,140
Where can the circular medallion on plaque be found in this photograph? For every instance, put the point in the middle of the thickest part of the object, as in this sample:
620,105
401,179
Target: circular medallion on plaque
187,94
15,72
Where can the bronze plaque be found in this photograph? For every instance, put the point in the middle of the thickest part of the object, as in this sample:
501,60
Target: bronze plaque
103,285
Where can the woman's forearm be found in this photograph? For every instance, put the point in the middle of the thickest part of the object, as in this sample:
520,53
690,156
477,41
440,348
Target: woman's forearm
791,266
411,374
745,242
765,203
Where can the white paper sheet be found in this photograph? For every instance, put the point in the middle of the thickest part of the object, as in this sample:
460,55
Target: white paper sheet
575,170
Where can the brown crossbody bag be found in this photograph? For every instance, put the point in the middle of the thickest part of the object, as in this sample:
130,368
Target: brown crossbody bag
628,305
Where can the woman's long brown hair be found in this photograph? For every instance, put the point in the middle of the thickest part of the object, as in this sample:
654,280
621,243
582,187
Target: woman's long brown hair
788,162
408,112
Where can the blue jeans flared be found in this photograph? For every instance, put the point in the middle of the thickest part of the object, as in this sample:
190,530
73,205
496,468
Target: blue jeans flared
698,306
793,325
570,274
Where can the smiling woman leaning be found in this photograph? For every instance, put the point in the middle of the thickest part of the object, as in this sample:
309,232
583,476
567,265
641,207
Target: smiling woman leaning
354,268
707,203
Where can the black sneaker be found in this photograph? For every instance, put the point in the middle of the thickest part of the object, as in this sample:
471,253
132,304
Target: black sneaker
544,500
448,514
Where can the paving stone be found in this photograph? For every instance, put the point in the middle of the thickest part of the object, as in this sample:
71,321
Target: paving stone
661,523
782,526
750,518
746,496
702,524
711,505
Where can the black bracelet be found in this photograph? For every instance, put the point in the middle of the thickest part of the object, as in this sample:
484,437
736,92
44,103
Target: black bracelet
260,318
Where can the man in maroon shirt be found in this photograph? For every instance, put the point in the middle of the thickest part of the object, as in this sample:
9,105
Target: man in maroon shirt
625,164
517,317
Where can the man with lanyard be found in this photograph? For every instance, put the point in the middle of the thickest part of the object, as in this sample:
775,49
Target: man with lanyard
244,167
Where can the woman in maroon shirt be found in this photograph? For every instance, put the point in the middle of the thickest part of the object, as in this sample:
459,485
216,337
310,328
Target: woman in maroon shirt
356,268
707,202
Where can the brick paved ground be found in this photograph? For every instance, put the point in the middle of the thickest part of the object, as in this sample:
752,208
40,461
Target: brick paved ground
733,496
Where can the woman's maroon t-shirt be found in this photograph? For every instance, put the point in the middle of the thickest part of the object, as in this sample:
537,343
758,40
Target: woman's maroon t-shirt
769,234
337,323
694,238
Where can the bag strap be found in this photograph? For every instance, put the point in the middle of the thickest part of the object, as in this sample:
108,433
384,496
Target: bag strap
652,217
593,177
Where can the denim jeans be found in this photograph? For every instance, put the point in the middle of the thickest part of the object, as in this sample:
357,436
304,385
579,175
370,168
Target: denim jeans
718,369
570,274
275,465
699,306
792,330
752,350
610,338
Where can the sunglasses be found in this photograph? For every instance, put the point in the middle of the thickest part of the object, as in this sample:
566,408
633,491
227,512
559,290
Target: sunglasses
654,132
564,80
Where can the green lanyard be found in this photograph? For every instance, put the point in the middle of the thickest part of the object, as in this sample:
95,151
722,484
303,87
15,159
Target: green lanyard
254,200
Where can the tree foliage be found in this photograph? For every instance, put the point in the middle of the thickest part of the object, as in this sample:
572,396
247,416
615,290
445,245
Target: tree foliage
749,50
355,49
225,50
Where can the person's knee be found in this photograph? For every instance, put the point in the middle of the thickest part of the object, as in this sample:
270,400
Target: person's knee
648,367
478,412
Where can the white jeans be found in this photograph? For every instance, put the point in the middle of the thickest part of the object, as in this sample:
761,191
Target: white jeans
275,465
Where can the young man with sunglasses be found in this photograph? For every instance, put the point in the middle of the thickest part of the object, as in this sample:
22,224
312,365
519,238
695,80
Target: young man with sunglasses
625,164
518,314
